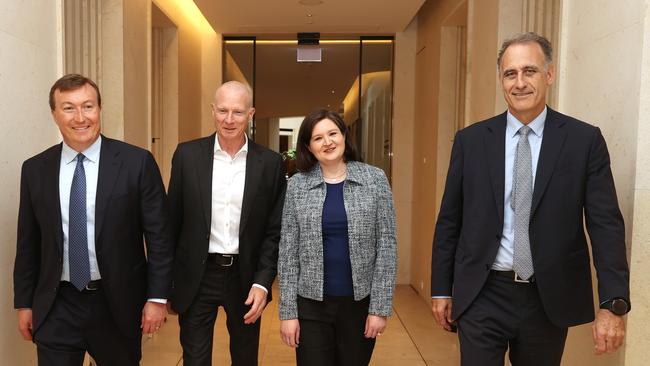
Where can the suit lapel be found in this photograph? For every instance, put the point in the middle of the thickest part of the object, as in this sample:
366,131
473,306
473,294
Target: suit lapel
109,170
50,186
495,146
254,168
552,143
204,176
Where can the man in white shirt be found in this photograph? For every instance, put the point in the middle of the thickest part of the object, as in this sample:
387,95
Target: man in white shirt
81,276
225,200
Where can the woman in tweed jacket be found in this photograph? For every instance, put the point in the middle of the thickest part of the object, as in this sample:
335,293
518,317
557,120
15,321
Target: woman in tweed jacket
337,261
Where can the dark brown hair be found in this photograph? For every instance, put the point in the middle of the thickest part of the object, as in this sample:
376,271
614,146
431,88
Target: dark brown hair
72,82
305,160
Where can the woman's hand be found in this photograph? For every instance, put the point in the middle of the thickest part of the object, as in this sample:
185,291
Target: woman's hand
290,332
374,326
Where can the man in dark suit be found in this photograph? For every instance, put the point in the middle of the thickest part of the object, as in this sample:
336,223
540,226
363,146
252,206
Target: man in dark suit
81,277
509,249
225,199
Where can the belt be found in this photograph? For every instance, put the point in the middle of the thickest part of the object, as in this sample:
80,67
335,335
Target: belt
513,276
91,286
223,260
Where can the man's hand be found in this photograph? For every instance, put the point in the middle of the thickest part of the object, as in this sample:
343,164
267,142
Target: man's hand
374,326
153,316
25,323
608,331
441,309
290,332
257,301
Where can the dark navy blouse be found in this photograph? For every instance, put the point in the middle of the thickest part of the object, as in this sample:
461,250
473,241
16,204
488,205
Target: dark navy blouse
336,251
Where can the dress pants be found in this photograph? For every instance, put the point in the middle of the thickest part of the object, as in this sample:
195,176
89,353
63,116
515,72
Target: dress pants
331,332
220,286
507,314
80,322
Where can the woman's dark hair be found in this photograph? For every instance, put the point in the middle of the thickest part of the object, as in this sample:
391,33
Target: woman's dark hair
305,160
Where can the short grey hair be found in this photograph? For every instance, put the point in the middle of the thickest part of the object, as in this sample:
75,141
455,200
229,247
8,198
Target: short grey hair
528,37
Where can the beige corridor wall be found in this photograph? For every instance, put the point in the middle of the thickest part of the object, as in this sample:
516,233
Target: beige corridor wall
126,42
480,101
604,47
29,64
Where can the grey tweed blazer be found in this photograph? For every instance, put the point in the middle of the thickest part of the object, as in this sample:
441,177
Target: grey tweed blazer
371,232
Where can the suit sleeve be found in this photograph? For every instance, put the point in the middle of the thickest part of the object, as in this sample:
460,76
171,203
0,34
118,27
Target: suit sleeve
27,262
268,261
605,224
385,270
175,197
448,226
288,263
156,231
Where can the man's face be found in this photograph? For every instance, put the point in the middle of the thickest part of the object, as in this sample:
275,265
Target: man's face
525,80
232,111
77,114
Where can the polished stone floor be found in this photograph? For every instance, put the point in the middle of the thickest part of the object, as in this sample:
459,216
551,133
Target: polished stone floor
411,339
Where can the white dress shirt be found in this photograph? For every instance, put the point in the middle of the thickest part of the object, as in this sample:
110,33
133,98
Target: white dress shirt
504,258
66,173
228,178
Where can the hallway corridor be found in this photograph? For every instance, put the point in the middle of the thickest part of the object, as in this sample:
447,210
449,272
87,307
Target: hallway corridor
411,339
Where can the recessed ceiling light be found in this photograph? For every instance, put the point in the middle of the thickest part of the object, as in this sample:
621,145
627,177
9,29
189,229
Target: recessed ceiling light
310,2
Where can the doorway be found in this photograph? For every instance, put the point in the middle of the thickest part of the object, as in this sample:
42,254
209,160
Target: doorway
351,76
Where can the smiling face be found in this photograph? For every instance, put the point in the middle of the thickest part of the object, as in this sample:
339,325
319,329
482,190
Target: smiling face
525,79
327,142
77,113
232,110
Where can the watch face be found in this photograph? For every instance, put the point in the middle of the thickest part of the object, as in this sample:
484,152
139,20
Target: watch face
619,307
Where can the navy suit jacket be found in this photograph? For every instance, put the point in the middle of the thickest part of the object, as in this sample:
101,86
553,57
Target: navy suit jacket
129,206
573,180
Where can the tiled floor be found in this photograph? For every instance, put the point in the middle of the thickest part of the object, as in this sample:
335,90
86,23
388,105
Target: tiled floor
411,339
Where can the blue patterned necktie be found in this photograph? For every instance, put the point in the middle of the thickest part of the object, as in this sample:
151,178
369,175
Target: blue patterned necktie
521,200
78,229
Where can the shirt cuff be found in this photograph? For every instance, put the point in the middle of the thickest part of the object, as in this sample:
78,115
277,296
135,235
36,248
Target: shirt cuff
441,297
262,287
160,301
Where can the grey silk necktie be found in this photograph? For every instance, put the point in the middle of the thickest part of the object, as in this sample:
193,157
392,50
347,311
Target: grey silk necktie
78,229
522,196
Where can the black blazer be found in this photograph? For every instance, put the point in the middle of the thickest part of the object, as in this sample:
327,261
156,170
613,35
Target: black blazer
190,192
129,204
573,177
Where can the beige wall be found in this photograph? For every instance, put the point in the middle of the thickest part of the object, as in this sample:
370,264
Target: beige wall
126,71
403,134
29,61
604,47
480,103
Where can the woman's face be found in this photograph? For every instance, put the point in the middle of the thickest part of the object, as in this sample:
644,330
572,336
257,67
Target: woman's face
327,142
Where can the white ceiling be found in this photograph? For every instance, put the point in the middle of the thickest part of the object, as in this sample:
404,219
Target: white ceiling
253,17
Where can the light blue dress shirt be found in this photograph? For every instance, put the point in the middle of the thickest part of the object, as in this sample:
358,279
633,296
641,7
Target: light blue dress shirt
503,260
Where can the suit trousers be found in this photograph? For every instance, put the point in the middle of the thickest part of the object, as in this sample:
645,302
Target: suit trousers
220,286
80,322
509,316
331,332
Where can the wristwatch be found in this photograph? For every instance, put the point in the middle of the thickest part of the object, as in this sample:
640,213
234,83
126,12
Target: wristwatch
617,306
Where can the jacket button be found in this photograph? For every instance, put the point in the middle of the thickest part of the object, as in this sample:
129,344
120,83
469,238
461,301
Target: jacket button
203,261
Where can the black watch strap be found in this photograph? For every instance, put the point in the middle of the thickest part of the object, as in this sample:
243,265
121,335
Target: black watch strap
618,306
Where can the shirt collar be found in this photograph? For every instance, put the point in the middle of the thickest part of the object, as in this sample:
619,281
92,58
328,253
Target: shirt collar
217,147
68,154
536,125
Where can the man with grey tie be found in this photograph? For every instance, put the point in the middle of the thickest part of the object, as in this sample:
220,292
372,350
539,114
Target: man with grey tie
82,281
510,261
